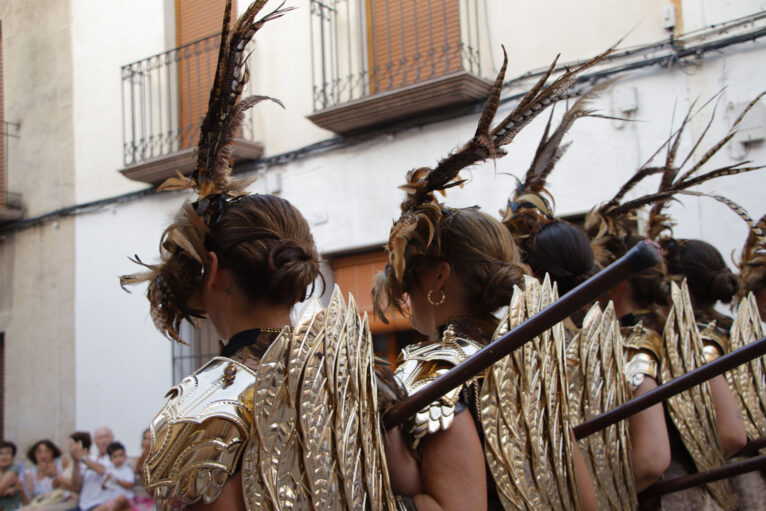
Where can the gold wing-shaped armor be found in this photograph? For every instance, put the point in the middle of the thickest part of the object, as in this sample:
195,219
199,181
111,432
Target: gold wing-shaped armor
306,420
748,380
421,363
692,411
316,441
525,416
200,433
597,383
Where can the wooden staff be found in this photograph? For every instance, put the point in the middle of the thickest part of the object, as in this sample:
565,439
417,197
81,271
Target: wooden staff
752,447
670,389
644,255
709,476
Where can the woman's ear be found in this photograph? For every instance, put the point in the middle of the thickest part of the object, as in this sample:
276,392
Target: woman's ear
212,273
443,272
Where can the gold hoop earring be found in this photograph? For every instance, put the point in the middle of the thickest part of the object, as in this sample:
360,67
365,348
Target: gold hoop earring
441,300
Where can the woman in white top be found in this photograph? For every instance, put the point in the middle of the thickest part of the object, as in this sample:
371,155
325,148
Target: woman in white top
48,466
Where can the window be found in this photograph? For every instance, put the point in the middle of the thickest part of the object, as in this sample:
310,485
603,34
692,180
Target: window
166,95
198,24
11,208
379,61
356,274
202,345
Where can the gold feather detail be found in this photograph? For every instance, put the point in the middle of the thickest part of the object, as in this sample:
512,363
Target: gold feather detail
692,411
525,416
747,381
316,441
596,385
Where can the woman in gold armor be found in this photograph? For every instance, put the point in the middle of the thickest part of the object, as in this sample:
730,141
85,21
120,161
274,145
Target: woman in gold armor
453,269
286,417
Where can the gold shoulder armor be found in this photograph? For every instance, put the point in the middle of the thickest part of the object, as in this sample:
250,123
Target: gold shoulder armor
714,341
200,433
420,364
643,351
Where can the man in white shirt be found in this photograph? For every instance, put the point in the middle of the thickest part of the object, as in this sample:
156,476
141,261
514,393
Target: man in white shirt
88,473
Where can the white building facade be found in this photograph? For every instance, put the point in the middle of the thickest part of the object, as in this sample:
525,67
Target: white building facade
80,352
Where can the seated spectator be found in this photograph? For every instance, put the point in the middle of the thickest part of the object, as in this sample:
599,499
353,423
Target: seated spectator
48,467
143,502
12,494
88,474
102,437
119,480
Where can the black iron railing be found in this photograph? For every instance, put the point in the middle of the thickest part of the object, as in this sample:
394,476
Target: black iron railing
364,47
164,98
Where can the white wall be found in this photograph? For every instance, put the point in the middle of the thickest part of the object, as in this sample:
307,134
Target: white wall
106,36
350,195
702,13
123,363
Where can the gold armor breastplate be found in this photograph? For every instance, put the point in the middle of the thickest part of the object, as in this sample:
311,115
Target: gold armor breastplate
200,433
420,364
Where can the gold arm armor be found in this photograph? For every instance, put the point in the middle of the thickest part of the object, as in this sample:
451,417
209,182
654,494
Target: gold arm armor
420,364
200,433
643,349
714,341
525,414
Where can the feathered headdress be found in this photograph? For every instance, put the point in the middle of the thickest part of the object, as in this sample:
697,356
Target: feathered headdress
175,281
752,264
417,231
532,205
610,222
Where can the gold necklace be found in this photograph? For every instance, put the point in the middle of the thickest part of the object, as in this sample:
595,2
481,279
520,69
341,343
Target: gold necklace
271,330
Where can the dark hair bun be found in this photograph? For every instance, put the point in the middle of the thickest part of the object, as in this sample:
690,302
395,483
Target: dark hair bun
724,286
293,267
499,288
706,273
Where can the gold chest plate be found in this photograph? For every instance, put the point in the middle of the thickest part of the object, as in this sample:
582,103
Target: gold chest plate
419,365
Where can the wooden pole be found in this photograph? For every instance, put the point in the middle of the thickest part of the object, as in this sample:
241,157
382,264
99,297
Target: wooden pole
670,389
644,255
709,476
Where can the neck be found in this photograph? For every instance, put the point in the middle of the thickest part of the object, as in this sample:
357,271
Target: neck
255,316
624,304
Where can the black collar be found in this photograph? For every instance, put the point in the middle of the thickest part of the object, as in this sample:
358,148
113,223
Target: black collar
239,341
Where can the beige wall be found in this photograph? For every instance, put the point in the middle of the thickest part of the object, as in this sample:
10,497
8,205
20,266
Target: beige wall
37,267
39,335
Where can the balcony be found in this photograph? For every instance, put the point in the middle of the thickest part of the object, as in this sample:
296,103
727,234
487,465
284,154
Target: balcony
164,98
11,207
376,62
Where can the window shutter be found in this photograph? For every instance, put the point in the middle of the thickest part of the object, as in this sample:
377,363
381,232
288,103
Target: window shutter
196,20
356,275
411,41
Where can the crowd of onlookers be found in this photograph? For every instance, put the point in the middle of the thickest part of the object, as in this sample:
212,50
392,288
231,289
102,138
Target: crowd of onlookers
81,479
